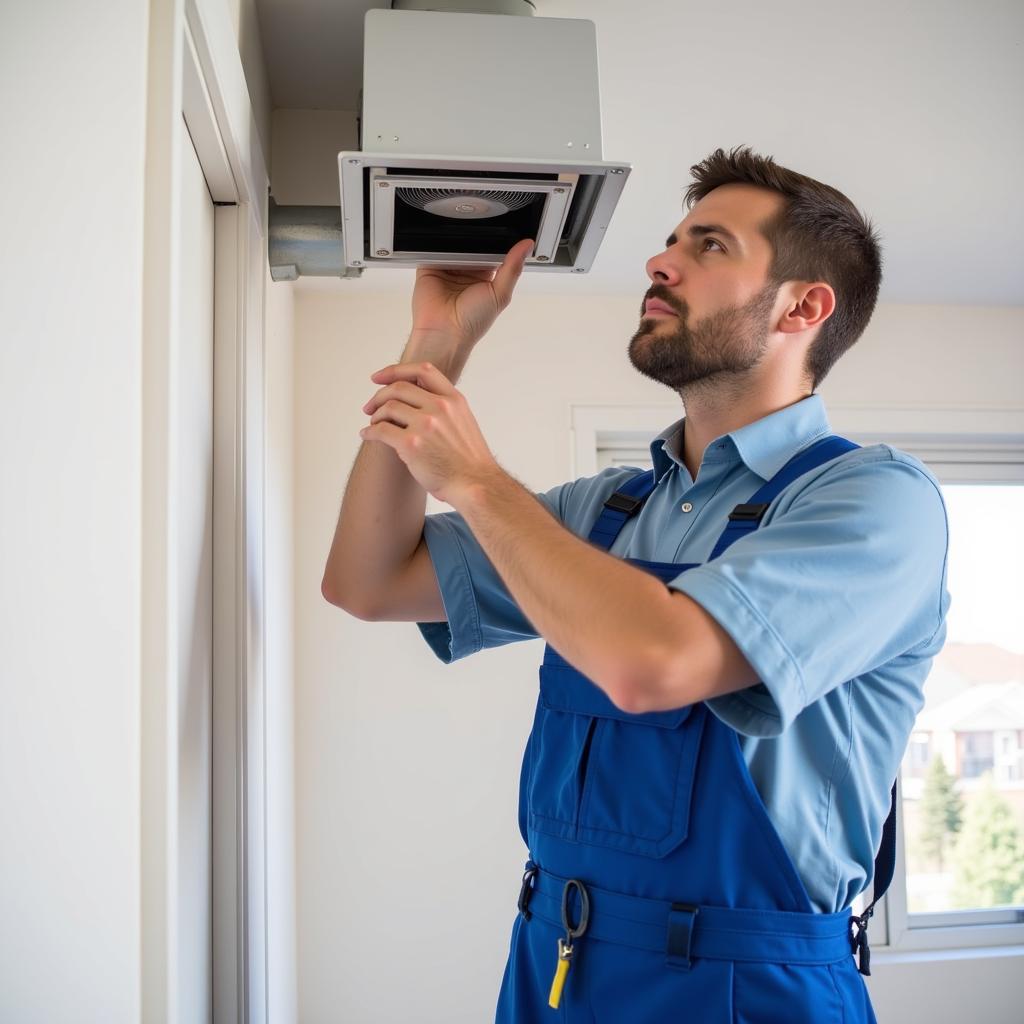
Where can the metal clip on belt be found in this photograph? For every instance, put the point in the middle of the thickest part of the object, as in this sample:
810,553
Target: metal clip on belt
566,948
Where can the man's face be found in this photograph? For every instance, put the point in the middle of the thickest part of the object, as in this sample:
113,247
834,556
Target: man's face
712,279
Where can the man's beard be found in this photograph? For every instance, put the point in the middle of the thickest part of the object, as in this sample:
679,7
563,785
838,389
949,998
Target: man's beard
728,342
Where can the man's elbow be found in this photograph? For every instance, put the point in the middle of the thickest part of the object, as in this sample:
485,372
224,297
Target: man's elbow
330,594
345,602
634,700
628,700
639,689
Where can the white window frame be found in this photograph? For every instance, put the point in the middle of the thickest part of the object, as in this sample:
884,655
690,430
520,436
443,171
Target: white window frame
960,445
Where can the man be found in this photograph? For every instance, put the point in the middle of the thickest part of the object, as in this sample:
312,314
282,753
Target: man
736,642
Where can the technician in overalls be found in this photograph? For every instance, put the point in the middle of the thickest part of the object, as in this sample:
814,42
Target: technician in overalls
736,642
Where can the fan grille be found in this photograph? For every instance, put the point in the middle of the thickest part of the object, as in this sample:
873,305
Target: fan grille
465,204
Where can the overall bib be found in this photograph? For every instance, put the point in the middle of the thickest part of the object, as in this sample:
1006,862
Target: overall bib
650,843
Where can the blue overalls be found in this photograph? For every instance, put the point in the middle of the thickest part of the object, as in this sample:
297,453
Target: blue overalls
654,869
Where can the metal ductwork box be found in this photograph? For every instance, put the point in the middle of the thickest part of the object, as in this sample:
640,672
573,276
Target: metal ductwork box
476,130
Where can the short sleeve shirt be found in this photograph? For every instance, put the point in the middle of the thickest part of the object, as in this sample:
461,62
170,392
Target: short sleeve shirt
838,601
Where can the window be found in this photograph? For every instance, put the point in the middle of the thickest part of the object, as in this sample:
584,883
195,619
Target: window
972,722
918,755
963,814
976,754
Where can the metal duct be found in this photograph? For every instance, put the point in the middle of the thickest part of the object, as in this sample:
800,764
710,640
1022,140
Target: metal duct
306,241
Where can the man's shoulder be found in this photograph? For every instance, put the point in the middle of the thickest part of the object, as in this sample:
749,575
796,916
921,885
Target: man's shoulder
871,453
875,465
882,484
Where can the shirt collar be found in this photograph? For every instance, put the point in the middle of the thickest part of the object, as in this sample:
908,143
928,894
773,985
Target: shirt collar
765,445
666,449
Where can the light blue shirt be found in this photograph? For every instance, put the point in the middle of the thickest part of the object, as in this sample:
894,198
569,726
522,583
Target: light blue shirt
838,602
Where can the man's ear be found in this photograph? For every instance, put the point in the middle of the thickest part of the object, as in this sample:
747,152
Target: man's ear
810,306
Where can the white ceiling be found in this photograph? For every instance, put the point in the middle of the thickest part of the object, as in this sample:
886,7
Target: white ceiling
914,109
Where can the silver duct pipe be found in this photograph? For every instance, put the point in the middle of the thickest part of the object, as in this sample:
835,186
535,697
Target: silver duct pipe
305,241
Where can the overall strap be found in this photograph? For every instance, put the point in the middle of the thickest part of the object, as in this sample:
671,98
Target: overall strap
625,502
747,517
885,865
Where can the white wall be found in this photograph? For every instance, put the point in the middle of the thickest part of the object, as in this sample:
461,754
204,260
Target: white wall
72,182
409,855
73,77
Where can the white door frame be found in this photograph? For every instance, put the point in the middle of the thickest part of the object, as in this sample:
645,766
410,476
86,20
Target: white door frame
195,71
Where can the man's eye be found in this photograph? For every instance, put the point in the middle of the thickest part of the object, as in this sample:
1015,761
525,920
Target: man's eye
712,241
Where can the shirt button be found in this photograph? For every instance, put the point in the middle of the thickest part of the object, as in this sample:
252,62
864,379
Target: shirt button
687,507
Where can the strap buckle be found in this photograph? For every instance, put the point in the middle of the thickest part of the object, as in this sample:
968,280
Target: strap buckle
527,890
859,941
748,513
620,502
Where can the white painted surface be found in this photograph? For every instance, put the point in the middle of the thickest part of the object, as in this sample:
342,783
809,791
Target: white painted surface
979,985
406,769
195,594
246,24
304,169
71,191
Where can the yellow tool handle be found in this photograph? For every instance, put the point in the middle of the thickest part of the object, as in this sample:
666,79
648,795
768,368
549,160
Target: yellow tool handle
558,983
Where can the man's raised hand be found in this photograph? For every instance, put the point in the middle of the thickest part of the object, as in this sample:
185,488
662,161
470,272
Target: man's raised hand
463,304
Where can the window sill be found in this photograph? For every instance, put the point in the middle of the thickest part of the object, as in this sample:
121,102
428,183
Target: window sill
884,957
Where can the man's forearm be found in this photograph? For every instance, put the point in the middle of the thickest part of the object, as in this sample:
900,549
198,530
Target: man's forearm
381,519
611,621
378,528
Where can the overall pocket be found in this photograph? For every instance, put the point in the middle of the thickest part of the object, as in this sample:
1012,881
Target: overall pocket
604,777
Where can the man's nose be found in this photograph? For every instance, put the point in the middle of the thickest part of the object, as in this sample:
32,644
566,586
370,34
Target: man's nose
661,269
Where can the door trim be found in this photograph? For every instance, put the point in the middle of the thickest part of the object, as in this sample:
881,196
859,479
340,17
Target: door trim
195,72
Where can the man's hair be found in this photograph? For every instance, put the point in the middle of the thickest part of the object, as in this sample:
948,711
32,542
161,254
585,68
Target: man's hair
817,235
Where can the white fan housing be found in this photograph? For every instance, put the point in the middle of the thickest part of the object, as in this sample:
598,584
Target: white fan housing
512,105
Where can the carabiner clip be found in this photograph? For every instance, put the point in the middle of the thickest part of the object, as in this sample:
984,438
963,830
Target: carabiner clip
566,949
570,932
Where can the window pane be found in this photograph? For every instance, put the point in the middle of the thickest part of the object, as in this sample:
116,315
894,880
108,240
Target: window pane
963,773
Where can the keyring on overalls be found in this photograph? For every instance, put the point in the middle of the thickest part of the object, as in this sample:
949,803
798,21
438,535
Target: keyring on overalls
570,932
